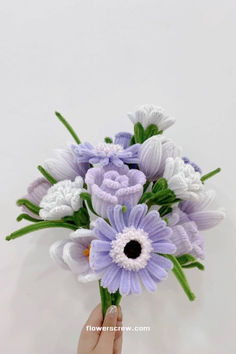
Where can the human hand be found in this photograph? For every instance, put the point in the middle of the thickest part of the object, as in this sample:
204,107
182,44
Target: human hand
98,341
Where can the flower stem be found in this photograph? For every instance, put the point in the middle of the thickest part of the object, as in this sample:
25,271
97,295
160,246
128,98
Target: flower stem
108,299
178,272
68,127
210,174
38,226
47,175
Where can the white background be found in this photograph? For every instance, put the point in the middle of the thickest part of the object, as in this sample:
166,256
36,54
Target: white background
94,61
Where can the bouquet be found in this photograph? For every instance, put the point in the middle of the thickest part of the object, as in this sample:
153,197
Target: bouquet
135,206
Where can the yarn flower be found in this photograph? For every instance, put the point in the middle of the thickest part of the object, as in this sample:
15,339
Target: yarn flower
108,153
182,179
188,219
62,199
64,166
116,186
149,114
153,154
73,254
127,249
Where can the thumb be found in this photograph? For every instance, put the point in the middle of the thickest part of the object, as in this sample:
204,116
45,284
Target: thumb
106,340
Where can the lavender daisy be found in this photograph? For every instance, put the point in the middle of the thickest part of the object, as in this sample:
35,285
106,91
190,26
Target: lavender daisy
127,250
106,153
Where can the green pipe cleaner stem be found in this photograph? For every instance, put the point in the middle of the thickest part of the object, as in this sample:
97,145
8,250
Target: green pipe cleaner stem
178,272
38,226
68,127
47,175
29,205
108,299
210,174
27,217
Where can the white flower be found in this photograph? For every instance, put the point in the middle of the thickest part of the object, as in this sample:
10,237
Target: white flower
153,154
62,199
182,179
73,254
64,165
150,114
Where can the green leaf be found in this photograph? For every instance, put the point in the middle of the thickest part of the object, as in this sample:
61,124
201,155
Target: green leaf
139,133
29,205
151,130
27,217
210,174
38,226
163,197
164,210
81,217
198,265
160,185
87,197
132,141
108,140
180,276
186,258
47,175
68,127
145,197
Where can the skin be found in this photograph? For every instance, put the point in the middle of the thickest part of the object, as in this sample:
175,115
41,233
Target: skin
102,342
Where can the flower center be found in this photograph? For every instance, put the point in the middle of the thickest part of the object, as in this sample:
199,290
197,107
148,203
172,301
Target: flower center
133,249
86,251
109,148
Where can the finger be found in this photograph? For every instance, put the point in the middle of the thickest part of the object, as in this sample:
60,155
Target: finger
107,336
91,331
119,334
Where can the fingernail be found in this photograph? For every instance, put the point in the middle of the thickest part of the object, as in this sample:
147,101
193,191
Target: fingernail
112,311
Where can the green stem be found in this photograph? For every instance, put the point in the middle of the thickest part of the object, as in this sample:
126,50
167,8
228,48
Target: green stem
87,197
38,226
27,217
210,174
108,299
29,205
178,272
68,127
47,175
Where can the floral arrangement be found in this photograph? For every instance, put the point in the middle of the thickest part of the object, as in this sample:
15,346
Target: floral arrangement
135,206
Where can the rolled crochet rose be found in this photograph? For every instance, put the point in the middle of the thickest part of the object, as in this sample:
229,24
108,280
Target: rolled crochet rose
117,186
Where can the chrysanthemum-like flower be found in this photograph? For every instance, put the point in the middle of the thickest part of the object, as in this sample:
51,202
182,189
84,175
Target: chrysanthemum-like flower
117,186
105,153
73,254
188,219
153,154
127,250
150,114
35,193
182,179
64,166
62,199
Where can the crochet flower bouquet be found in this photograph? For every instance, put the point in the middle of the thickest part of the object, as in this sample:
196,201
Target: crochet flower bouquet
135,207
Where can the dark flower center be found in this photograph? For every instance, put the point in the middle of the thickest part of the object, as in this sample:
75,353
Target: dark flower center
132,249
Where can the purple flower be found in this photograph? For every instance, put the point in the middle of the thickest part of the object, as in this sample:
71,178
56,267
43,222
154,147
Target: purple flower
188,219
35,193
65,166
123,139
105,153
126,250
193,164
73,254
110,186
